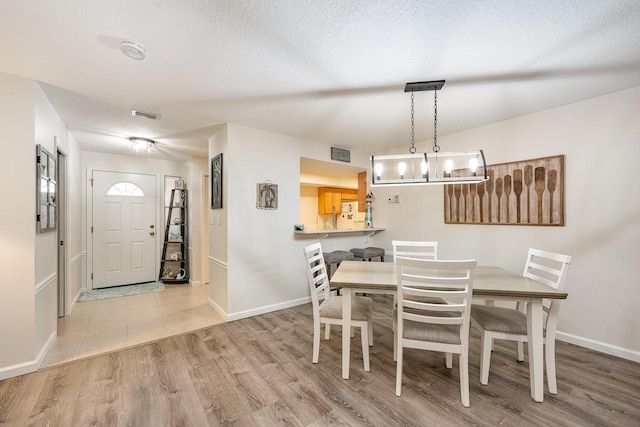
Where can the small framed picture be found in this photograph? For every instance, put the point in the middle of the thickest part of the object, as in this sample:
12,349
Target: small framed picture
180,185
216,182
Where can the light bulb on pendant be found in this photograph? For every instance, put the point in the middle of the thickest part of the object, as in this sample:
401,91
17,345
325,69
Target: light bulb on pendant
473,165
448,167
378,169
424,167
402,167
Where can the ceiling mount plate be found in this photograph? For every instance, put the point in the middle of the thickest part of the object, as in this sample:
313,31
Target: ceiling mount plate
421,86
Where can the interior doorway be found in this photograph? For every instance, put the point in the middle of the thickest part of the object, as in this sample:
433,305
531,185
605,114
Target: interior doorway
123,228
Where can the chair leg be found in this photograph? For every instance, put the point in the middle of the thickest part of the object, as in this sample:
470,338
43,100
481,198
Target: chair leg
327,331
395,341
370,328
399,371
520,351
316,341
464,377
485,358
364,334
449,360
550,360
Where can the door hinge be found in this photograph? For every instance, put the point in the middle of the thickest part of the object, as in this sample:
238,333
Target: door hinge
91,180
91,276
92,229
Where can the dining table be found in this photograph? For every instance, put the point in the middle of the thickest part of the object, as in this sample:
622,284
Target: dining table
489,282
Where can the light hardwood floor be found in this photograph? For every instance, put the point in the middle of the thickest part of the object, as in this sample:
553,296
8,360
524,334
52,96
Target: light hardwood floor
258,372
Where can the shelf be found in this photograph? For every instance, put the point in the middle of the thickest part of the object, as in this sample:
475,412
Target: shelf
327,233
174,280
171,268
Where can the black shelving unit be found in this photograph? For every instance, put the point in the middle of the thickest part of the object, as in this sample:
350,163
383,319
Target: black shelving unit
174,264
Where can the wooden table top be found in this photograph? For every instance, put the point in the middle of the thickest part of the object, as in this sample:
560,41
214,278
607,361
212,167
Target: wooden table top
488,281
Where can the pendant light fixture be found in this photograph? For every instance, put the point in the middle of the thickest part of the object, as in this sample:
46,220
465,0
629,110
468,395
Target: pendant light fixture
428,168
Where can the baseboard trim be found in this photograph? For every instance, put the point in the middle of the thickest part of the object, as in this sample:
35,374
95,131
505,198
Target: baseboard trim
46,347
257,311
601,347
19,369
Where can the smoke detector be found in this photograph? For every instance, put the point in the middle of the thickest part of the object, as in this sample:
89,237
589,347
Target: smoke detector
132,49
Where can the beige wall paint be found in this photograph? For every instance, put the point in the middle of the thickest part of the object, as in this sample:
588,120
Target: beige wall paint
17,227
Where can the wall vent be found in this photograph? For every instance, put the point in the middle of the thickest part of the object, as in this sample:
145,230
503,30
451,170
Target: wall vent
144,114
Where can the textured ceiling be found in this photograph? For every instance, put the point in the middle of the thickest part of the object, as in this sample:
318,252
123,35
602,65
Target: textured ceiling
326,70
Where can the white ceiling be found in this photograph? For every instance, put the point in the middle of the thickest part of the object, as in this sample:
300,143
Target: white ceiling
326,70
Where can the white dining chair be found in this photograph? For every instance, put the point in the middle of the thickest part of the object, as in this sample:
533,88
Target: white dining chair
511,323
329,310
436,326
414,249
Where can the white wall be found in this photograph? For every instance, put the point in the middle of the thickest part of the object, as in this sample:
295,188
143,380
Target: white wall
600,140
218,229
17,226
196,169
264,269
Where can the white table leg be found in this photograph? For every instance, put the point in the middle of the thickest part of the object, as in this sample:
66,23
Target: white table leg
346,331
535,337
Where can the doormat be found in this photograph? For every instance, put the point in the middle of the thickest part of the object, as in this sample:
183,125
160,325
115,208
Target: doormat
121,291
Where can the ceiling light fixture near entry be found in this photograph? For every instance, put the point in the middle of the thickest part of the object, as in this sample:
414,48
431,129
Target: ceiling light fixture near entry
141,144
132,49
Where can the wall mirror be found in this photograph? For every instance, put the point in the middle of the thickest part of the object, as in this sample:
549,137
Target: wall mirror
45,190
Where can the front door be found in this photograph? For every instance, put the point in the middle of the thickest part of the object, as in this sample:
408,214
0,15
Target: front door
124,231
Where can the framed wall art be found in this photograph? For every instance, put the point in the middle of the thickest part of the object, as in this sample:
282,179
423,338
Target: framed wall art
216,182
527,192
340,154
46,188
267,195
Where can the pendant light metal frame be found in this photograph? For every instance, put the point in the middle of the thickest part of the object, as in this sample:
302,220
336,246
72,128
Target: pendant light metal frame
428,168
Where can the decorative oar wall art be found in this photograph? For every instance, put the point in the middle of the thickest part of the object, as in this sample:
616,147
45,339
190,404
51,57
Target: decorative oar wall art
527,192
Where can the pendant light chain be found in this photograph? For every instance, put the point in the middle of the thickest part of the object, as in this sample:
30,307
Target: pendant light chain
412,150
436,147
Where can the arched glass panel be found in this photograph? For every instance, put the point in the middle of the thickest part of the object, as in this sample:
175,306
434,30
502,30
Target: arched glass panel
125,189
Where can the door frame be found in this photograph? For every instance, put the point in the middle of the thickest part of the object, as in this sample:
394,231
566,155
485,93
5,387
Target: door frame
89,235
61,232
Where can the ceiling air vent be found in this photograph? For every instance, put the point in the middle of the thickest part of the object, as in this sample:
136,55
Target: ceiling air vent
144,114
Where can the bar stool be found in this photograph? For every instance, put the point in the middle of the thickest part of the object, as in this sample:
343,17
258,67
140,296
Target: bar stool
366,254
333,260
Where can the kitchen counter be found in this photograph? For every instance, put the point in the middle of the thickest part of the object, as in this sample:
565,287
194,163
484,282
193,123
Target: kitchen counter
331,232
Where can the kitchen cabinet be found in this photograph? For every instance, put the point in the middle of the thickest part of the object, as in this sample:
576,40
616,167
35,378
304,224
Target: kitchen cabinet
362,191
349,194
329,197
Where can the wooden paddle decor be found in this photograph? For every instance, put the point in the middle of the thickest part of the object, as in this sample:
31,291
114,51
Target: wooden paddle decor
527,192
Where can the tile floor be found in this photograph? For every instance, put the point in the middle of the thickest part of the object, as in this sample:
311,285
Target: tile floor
103,326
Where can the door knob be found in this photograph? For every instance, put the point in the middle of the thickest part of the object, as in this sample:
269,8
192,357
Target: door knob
153,233
152,226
